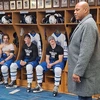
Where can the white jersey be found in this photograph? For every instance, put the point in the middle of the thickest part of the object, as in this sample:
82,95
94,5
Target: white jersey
61,40
35,38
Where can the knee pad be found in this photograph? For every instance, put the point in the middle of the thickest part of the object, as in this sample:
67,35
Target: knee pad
4,69
39,68
58,70
29,67
13,67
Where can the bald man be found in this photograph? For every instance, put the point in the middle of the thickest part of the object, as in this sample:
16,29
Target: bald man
84,55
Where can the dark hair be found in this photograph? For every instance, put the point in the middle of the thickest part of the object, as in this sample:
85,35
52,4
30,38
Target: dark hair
27,35
6,35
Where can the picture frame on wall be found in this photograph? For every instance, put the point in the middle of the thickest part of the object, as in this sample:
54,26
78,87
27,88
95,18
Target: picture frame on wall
48,3
64,3
72,3
19,4
91,2
25,4
81,0
6,5
40,4
33,4
56,3
98,2
1,5
12,5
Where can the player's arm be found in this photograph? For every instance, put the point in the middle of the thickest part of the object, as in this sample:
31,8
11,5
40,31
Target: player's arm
22,56
47,59
1,49
11,53
34,54
60,58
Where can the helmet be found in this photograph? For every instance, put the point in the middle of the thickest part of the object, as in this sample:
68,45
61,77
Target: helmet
6,19
28,19
59,18
52,19
73,20
46,19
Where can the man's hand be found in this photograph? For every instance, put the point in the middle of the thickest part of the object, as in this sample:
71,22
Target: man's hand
22,63
49,65
2,62
76,78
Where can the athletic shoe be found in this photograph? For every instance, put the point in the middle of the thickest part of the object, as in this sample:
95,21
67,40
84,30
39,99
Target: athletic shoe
55,91
28,89
12,84
1,82
38,88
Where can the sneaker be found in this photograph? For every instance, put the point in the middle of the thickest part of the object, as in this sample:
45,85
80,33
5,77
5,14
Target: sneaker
1,82
5,84
12,84
38,89
28,89
55,91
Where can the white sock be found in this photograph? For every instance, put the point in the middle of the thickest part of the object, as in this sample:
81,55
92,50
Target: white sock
29,85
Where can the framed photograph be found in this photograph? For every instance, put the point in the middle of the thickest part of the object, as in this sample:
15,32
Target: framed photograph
64,3
12,5
25,4
91,2
81,0
19,4
1,5
56,3
48,3
32,4
6,5
72,3
40,3
98,2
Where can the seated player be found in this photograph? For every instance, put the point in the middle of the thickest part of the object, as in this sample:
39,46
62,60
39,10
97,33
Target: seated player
36,39
28,58
54,60
61,40
6,57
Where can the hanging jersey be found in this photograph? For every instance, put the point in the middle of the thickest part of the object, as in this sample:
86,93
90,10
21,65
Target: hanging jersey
1,38
61,40
35,38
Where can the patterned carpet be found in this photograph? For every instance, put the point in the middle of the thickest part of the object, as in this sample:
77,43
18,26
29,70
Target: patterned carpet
23,95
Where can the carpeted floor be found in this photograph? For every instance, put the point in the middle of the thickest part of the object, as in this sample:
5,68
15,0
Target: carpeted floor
23,95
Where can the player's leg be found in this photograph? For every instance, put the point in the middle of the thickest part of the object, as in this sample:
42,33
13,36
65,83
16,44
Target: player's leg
29,70
39,72
4,70
57,72
13,72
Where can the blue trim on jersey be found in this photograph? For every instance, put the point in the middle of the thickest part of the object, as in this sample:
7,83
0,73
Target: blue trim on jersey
44,65
57,34
33,63
33,34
